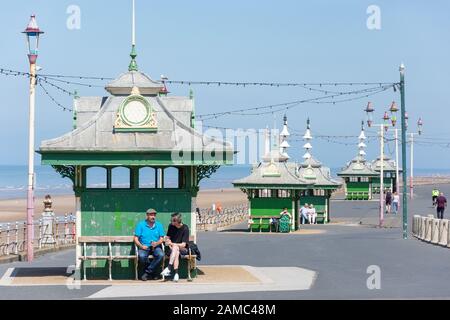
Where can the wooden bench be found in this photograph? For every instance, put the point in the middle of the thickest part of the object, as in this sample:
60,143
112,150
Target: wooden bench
110,257
322,216
263,221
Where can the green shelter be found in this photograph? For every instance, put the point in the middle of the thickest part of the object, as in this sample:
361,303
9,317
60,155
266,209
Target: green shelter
277,183
358,174
133,149
390,176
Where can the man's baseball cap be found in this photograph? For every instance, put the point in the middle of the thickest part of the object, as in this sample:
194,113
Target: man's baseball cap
151,211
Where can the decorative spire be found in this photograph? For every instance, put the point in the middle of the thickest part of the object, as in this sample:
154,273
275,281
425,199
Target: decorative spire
191,97
307,137
133,64
284,145
362,144
75,114
267,142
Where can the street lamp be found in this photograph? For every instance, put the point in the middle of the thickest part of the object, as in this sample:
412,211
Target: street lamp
383,126
32,33
412,134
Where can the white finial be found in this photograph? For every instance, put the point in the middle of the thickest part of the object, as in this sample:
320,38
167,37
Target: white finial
362,145
284,145
133,31
307,137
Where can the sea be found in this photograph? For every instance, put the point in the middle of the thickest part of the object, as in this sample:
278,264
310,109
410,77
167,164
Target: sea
13,179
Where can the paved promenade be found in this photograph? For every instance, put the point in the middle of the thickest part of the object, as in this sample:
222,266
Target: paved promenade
329,263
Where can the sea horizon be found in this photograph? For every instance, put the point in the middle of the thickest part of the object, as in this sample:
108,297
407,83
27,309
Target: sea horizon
13,179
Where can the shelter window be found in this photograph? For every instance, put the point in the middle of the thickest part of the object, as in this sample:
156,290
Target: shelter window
364,179
265,193
353,179
120,178
284,193
319,192
171,178
147,178
96,178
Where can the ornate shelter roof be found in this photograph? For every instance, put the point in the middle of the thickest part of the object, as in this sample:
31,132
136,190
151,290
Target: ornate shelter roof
167,129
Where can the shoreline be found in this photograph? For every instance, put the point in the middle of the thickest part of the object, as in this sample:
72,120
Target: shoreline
12,210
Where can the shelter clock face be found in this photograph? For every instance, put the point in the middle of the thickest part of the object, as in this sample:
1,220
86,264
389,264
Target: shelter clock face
135,112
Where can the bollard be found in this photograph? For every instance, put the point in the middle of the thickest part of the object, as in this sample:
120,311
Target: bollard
415,226
435,231
429,229
443,233
423,230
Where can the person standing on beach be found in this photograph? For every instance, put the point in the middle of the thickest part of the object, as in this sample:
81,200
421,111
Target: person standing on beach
441,204
388,201
395,202
434,195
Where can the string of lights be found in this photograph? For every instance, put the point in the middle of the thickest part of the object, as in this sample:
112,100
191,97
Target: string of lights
52,98
275,108
55,86
71,82
277,84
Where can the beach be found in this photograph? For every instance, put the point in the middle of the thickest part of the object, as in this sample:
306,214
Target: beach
15,209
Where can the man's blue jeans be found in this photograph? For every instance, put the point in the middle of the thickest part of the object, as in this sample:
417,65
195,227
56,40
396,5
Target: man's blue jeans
158,255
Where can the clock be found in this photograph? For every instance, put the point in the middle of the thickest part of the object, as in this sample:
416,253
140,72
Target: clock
135,114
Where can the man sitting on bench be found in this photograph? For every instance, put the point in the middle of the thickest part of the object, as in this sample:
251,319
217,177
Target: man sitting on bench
176,241
148,237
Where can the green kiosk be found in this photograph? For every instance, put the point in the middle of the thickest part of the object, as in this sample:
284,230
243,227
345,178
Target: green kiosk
276,183
358,175
390,176
131,150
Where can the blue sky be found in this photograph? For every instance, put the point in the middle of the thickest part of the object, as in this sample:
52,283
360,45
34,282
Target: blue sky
287,40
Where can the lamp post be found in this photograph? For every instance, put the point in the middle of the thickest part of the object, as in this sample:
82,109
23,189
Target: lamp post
369,111
33,33
411,178
384,127
404,177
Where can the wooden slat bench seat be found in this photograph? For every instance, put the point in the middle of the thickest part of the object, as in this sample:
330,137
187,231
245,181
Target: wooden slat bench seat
261,221
190,258
111,241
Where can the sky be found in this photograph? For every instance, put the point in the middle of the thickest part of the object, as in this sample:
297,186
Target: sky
252,40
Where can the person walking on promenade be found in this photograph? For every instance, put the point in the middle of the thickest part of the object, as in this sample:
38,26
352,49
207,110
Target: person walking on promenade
388,201
441,204
395,202
434,195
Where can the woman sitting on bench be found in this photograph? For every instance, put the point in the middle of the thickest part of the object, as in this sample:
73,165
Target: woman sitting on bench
176,244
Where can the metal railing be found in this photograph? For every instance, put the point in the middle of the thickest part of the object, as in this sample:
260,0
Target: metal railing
60,231
227,217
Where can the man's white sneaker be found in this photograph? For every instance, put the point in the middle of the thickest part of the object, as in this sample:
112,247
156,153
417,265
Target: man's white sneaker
166,272
176,277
